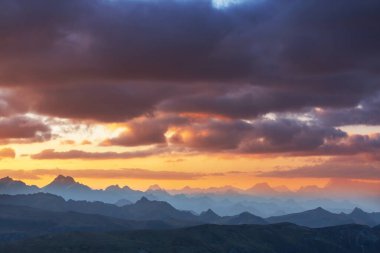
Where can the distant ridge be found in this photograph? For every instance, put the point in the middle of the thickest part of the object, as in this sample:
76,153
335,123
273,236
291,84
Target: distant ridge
320,217
261,199
146,210
10,186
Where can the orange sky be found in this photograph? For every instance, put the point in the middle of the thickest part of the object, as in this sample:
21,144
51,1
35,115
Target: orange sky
247,165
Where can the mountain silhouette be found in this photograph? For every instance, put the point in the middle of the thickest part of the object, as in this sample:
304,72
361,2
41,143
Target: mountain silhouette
143,209
10,186
245,218
261,199
209,216
361,217
313,218
123,202
262,189
63,185
20,222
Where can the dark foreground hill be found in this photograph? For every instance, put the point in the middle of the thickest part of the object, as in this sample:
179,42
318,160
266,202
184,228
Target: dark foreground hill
319,217
142,210
19,222
278,238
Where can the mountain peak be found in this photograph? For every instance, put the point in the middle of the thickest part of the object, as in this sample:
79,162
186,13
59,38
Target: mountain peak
63,183
155,187
319,210
143,200
262,189
209,216
282,188
209,213
64,180
113,187
357,210
6,180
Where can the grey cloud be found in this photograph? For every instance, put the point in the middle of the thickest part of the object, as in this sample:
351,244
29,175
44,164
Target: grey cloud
146,131
49,154
310,49
23,129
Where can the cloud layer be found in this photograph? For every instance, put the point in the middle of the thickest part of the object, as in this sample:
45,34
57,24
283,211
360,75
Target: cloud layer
259,77
125,173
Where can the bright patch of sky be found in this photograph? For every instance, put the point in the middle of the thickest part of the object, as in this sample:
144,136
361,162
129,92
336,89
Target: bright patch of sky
361,129
225,3
65,129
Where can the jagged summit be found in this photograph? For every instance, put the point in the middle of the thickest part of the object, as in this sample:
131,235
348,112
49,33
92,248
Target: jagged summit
357,210
10,186
115,187
319,210
64,180
6,180
155,187
262,189
143,200
61,184
209,214
282,189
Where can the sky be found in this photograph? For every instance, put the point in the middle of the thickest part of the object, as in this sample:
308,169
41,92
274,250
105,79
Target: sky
190,92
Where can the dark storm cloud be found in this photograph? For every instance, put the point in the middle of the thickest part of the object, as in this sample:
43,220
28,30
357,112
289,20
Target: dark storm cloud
213,135
23,129
367,112
97,102
146,131
263,136
251,102
288,136
114,61
10,103
300,51
354,144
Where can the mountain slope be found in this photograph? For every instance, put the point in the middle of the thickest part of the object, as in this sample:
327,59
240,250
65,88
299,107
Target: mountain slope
18,222
10,186
313,218
143,209
244,218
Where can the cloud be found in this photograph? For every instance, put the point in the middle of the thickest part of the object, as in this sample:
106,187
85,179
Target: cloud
146,131
7,153
366,112
347,168
116,60
263,136
251,102
10,103
49,154
23,129
107,103
133,173
154,65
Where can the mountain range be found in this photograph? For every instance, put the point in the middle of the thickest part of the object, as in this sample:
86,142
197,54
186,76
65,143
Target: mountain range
152,210
260,200
44,222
